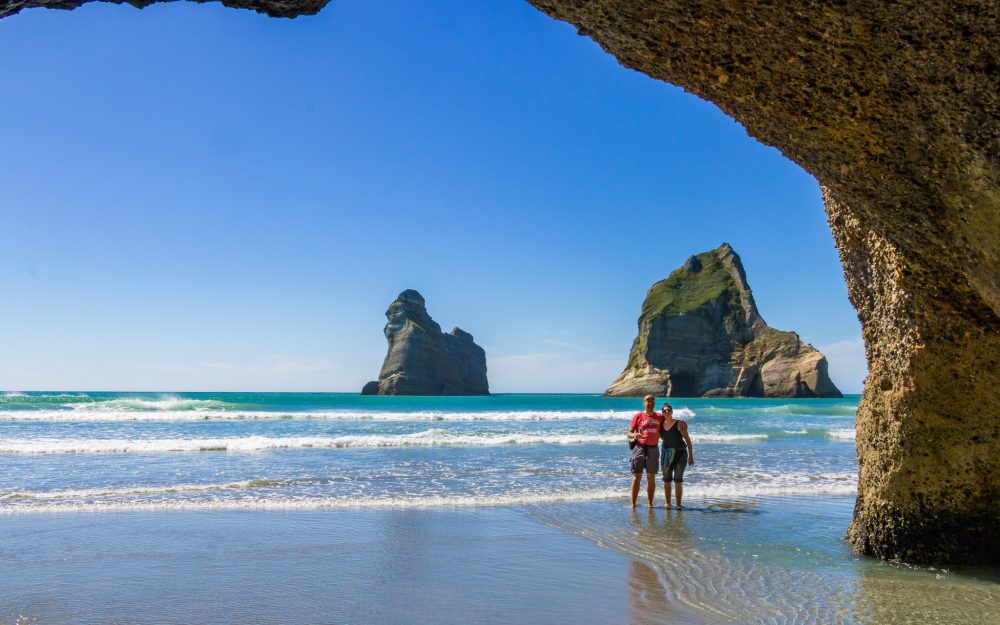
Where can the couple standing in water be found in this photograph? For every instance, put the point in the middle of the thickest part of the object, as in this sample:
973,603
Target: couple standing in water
644,434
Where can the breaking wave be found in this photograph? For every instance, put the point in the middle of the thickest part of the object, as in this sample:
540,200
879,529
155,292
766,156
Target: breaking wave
428,438
203,412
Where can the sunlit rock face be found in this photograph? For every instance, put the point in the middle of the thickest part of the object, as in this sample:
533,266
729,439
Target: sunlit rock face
701,335
423,360
894,107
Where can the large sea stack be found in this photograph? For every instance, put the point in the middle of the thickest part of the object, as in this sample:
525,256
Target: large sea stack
700,335
423,360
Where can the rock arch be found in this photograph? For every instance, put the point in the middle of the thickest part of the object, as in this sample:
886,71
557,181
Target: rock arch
894,108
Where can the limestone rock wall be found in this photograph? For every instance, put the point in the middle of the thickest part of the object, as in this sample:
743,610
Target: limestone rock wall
423,360
929,401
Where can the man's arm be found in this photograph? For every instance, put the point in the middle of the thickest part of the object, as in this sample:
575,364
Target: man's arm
683,426
631,429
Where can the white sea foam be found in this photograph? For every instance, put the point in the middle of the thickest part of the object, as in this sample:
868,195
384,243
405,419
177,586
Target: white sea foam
684,414
726,438
428,438
723,483
316,503
145,491
733,491
844,434
169,403
88,415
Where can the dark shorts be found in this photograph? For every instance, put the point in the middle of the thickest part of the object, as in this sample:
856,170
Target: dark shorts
645,457
674,462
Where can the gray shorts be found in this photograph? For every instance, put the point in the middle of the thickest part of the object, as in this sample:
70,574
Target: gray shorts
674,462
645,457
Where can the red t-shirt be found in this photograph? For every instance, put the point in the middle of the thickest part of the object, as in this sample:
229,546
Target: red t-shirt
647,427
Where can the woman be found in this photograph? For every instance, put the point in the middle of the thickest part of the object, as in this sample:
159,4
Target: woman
677,454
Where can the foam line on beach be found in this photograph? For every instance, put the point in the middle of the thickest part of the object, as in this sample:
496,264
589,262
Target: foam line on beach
165,489
253,502
713,484
428,438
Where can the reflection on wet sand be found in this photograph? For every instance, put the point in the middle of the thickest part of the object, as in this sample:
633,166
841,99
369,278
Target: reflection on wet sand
771,561
647,595
650,596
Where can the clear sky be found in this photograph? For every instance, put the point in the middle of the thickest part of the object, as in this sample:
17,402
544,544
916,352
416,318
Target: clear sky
199,198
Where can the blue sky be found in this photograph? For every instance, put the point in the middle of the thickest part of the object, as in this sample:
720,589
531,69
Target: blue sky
197,198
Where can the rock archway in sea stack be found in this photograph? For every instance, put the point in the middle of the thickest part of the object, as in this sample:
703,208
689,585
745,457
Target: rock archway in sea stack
894,107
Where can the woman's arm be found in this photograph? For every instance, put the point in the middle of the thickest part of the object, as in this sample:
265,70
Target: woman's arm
683,427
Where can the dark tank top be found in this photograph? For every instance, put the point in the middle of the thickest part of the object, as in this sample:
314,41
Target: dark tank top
672,437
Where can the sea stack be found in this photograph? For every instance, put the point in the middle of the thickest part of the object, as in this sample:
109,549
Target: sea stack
700,335
423,360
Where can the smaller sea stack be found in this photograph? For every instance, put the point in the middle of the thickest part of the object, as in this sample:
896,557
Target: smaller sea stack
423,360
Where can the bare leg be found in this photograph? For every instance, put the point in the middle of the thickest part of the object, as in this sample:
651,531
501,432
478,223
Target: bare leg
680,492
650,488
636,480
666,493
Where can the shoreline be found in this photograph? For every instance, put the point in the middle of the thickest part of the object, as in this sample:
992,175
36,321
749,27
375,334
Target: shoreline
720,560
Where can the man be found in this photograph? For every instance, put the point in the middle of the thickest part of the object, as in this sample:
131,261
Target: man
644,432
678,453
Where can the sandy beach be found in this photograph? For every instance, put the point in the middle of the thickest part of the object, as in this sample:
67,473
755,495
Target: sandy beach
491,565
769,560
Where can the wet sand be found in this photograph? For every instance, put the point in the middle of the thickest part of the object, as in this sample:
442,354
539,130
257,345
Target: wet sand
482,565
753,560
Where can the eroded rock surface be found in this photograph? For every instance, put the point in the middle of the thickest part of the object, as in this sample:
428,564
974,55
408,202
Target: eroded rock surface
423,360
895,108
700,334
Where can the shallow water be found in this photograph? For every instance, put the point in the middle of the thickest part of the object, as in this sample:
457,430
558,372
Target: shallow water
773,560
268,508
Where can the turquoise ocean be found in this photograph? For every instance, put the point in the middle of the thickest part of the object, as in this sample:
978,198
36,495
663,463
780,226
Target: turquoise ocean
272,507
125,451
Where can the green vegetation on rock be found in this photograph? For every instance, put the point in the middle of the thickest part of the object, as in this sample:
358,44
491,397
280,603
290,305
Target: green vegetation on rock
686,290
416,325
